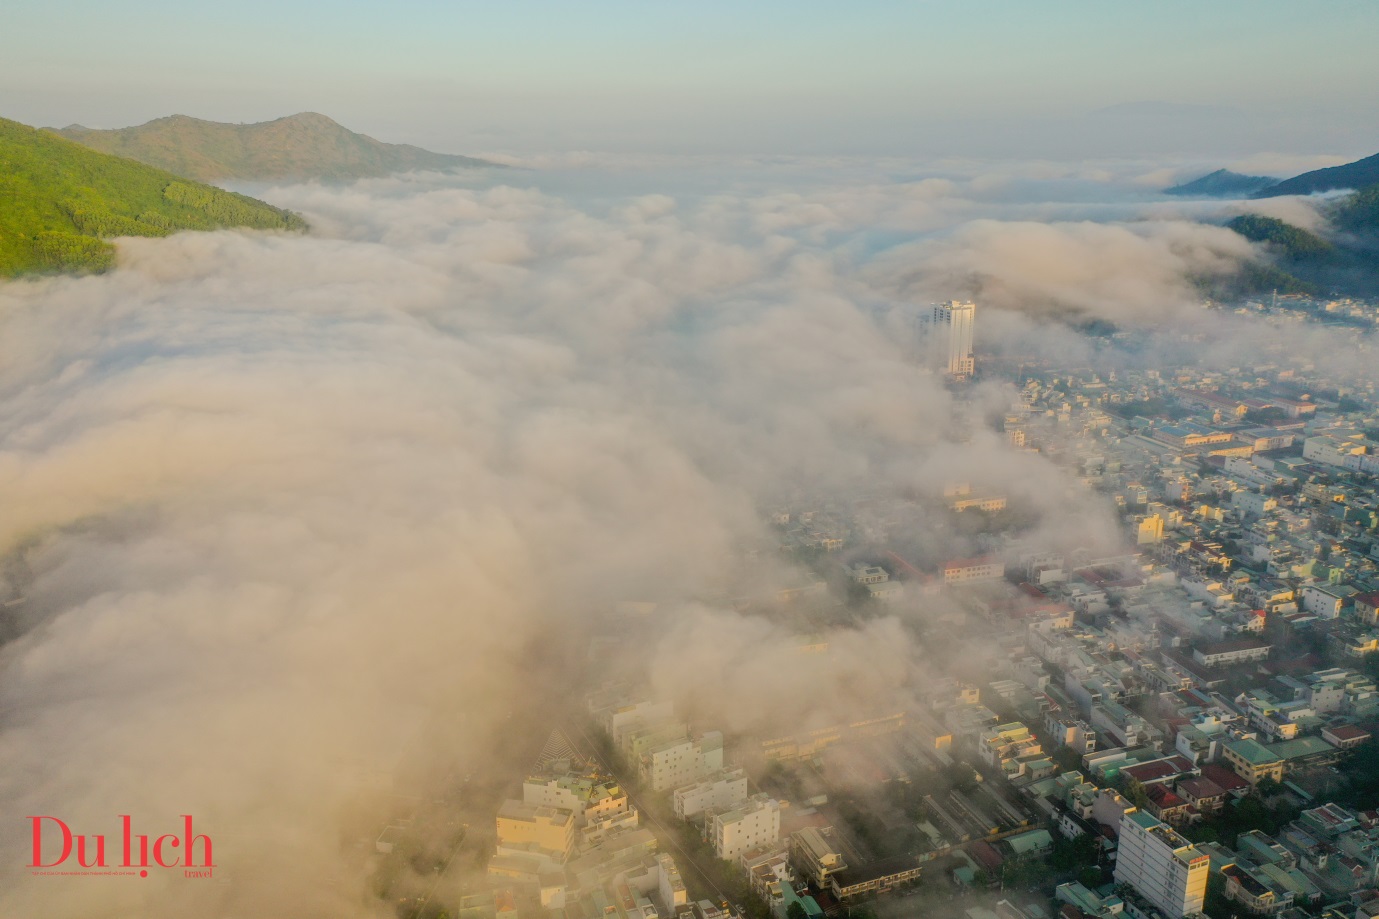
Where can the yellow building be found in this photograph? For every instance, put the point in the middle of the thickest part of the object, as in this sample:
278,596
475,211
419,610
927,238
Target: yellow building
1150,530
1253,761
550,829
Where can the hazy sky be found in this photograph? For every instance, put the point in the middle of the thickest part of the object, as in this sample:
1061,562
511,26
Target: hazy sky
1007,77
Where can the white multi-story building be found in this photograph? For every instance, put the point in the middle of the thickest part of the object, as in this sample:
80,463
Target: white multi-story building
1162,866
1353,452
945,337
679,763
756,823
718,792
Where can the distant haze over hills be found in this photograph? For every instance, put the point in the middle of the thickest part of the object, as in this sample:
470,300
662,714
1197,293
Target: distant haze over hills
1222,184
302,146
1358,174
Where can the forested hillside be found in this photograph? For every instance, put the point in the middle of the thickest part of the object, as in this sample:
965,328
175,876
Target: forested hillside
60,201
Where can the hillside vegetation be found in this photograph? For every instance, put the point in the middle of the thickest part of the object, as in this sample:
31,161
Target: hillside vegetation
1288,241
303,146
1346,262
1359,213
59,201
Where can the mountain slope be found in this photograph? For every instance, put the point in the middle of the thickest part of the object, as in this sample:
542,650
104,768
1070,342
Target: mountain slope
1299,261
1222,184
303,146
58,200
1359,213
1358,174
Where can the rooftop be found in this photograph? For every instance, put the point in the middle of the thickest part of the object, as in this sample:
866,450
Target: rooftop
1300,748
1253,752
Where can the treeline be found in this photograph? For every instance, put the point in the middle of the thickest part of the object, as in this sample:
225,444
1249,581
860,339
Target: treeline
201,208
92,223
1292,242
227,209
56,251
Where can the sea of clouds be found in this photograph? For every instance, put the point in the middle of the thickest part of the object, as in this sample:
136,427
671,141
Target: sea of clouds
266,500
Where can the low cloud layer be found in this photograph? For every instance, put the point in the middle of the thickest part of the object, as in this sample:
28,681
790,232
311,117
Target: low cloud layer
274,503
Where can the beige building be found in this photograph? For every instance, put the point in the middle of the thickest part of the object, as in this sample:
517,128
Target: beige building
816,855
1008,747
973,570
549,830
1253,761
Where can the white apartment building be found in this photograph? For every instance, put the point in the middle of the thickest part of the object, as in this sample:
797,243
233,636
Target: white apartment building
1161,865
679,763
719,792
945,337
756,823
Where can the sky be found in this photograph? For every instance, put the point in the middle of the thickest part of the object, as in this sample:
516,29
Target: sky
999,77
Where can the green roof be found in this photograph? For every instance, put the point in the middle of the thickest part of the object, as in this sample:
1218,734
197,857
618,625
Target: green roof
808,904
1253,752
1301,747
1033,841
1144,819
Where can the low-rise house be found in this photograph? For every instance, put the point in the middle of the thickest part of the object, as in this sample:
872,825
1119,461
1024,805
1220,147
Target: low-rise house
1202,793
1252,761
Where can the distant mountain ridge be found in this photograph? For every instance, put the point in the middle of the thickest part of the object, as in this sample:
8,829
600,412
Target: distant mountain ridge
60,201
1356,175
304,146
1222,184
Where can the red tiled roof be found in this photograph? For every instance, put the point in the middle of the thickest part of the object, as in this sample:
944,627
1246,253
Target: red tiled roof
1224,777
969,562
1200,788
1162,797
984,853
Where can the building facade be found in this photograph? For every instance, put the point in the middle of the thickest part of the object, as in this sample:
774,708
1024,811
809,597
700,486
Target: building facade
754,824
722,791
1161,865
945,337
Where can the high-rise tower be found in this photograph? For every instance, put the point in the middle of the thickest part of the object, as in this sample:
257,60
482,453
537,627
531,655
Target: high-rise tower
1161,865
945,337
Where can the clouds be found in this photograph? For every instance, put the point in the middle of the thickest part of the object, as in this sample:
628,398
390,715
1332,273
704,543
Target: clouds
1138,273
280,501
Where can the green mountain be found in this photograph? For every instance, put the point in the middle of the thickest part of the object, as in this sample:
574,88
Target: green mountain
304,146
59,201
1359,213
1289,242
1359,174
1345,261
1222,184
